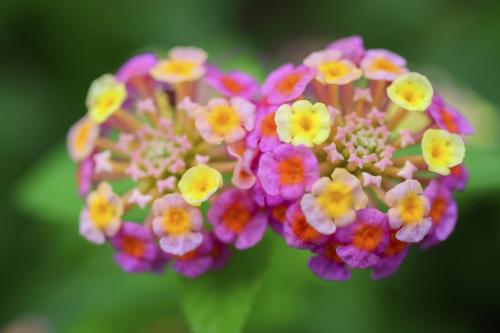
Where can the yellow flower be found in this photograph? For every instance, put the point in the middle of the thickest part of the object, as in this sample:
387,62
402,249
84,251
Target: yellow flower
183,64
105,97
411,91
104,207
81,139
442,150
198,183
331,69
303,123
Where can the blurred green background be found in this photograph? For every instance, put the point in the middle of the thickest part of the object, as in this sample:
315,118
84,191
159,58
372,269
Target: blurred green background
51,280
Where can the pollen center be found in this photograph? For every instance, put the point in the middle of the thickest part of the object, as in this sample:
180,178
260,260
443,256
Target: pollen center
367,237
291,171
336,199
176,221
268,126
101,211
223,119
236,217
288,83
133,246
411,208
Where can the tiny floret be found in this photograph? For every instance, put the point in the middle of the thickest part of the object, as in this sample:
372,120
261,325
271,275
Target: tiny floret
198,183
412,92
105,97
442,150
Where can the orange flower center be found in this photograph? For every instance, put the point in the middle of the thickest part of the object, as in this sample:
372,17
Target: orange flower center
268,126
278,213
291,171
231,84
448,120
456,170
395,246
331,253
302,229
288,83
236,217
367,237
438,208
133,246
383,64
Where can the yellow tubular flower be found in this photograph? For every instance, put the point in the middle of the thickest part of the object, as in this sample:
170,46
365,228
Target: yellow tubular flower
303,123
105,97
442,150
198,183
411,91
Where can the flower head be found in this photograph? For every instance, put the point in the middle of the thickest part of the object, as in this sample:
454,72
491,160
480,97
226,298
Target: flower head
303,123
409,211
411,91
81,139
183,64
101,217
178,224
198,183
333,201
288,171
237,219
448,118
287,83
105,97
442,150
136,250
383,65
331,69
225,120
232,84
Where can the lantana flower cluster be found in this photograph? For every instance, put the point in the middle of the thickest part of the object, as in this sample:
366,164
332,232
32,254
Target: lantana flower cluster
349,155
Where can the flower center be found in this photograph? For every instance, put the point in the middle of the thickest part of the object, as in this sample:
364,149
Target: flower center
176,221
411,208
181,68
82,136
288,83
278,213
448,120
367,237
302,229
291,171
331,253
101,211
438,209
236,217
333,70
223,119
133,246
268,126
395,246
383,64
336,199
232,85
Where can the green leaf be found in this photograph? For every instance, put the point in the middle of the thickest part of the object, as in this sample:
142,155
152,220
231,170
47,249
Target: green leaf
220,302
49,191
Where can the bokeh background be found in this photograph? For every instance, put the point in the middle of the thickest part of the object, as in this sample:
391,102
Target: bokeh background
51,280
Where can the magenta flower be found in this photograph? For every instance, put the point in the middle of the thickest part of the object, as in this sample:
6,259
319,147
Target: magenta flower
211,254
264,136
297,232
136,67
231,84
448,118
287,83
365,239
457,179
288,171
136,250
262,198
443,213
237,219
391,258
327,264
351,48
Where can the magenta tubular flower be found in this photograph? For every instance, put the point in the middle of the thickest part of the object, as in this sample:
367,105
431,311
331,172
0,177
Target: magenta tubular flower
448,118
84,176
365,239
351,48
327,264
264,136
287,83
391,258
237,219
288,171
211,254
457,179
231,84
297,232
135,74
136,250
443,213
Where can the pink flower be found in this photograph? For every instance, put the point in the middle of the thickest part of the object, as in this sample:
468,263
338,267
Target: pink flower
243,174
297,232
136,67
237,219
264,136
350,47
287,83
381,64
178,224
327,264
457,179
234,83
288,171
391,258
84,175
448,118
